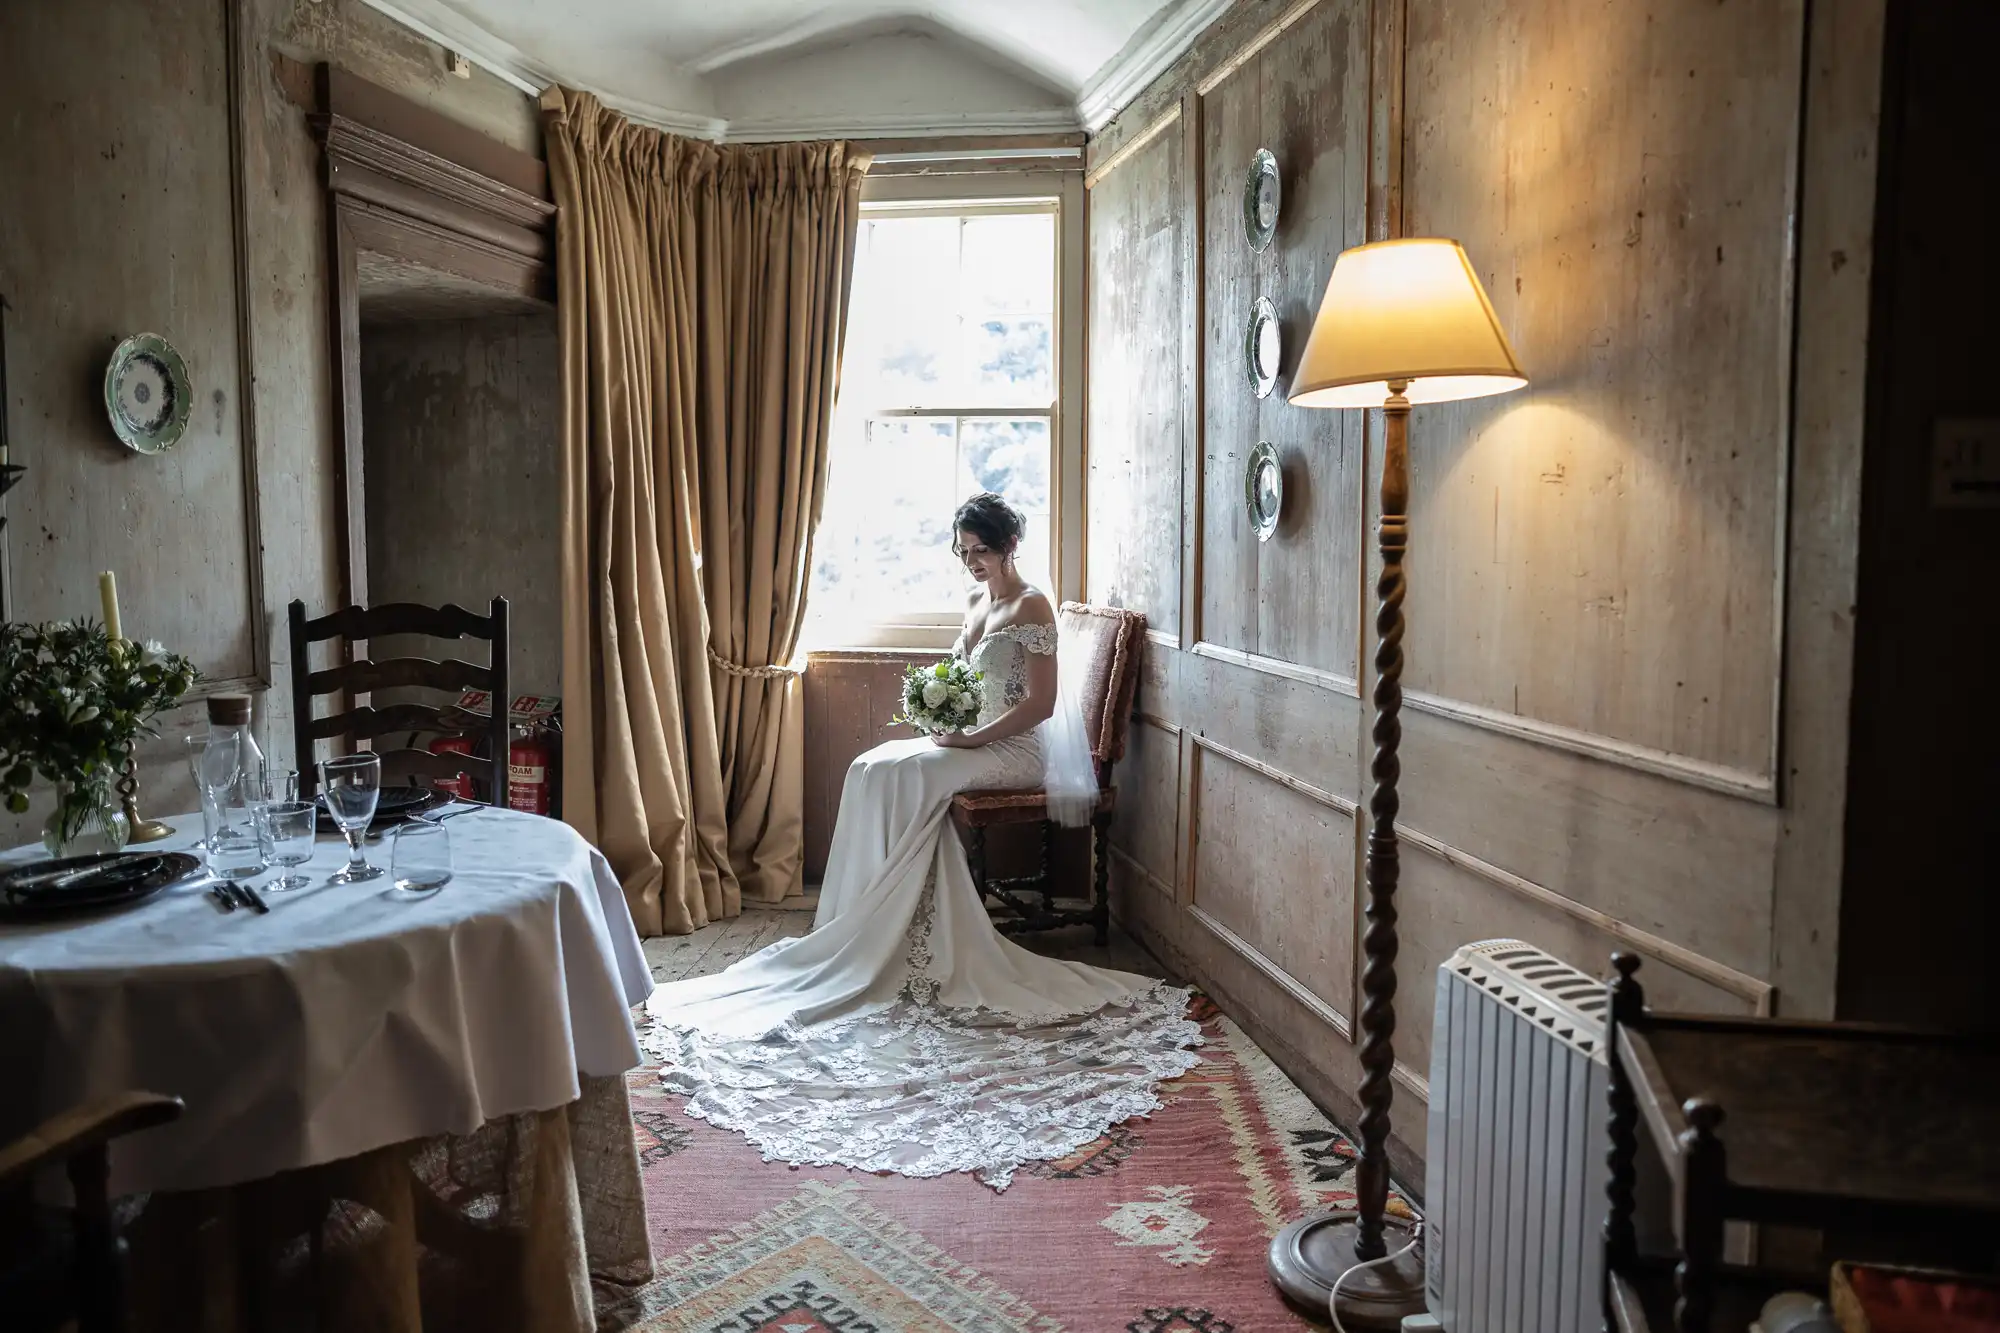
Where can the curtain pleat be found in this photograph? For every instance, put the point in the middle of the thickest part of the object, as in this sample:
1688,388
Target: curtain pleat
703,295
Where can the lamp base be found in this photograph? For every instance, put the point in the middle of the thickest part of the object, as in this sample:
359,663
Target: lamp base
1311,1254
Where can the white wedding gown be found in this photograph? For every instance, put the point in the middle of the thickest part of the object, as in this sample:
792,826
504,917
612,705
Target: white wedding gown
905,1033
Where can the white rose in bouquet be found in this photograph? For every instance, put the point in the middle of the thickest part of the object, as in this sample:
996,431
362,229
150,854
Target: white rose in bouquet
935,693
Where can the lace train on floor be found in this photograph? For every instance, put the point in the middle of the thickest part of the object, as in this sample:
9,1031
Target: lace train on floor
923,1089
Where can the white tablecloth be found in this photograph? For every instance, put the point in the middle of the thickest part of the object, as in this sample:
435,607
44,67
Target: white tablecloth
353,1016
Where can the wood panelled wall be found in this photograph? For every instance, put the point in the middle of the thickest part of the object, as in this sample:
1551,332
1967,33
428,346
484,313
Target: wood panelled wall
160,176
1622,619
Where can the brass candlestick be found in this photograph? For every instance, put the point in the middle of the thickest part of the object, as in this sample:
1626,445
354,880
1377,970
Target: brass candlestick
142,830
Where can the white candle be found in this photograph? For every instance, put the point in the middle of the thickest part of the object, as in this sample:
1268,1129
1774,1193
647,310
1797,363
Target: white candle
107,592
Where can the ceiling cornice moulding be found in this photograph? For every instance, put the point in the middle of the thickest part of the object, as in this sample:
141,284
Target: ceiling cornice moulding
1055,120
1126,75
1107,93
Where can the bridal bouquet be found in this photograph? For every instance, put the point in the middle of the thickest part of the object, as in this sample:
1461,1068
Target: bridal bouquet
942,698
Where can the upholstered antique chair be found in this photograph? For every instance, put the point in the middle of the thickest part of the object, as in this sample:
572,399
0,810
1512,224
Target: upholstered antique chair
342,681
1110,638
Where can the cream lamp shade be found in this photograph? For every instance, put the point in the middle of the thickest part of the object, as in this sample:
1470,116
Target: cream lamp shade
1410,311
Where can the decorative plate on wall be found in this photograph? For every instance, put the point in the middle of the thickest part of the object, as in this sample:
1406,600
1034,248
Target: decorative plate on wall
1264,490
1261,199
1263,345
146,394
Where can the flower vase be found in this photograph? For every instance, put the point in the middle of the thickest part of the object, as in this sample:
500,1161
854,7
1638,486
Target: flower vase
86,820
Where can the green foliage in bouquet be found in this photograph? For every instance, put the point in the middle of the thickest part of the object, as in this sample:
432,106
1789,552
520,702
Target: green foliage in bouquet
942,698
72,702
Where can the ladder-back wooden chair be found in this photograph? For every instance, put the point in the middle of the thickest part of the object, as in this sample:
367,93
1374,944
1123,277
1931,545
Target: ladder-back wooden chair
1111,639
361,676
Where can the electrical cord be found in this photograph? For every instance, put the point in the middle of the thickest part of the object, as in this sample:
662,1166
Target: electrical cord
1333,1293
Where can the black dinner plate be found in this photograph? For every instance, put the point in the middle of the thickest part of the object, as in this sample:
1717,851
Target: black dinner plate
35,892
392,806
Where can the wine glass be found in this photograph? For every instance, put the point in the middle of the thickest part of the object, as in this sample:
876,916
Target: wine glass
351,785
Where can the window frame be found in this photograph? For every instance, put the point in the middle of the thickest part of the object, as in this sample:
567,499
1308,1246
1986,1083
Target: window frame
991,193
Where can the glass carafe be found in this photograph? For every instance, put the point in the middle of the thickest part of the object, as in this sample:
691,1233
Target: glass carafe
232,767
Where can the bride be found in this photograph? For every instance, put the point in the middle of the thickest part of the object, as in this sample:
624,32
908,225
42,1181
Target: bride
905,1033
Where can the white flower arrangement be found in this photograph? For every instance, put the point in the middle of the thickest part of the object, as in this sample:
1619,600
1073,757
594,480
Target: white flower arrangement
943,698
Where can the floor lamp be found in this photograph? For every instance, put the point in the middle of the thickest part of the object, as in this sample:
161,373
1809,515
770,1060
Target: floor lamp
1402,322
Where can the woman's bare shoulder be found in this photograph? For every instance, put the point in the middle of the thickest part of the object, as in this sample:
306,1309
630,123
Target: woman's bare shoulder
1035,608
1030,608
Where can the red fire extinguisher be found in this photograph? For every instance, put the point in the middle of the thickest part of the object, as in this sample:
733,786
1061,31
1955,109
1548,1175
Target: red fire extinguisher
460,786
529,760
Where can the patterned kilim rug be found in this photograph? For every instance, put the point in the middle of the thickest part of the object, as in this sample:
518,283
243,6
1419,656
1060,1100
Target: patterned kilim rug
1161,1226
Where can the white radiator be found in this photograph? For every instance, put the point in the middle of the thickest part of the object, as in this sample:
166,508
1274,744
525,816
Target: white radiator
1515,1154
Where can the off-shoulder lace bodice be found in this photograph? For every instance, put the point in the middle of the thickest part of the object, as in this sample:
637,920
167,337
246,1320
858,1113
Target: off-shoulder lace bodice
1002,655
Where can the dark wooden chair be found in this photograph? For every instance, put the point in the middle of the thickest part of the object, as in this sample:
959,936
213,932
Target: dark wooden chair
1111,639
65,1268
362,676
1879,1136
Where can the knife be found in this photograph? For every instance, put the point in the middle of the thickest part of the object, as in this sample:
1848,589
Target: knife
249,897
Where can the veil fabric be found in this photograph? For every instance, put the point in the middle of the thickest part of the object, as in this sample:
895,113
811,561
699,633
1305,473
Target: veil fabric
1069,771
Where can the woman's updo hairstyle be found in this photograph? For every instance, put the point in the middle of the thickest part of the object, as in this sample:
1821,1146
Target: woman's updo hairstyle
996,523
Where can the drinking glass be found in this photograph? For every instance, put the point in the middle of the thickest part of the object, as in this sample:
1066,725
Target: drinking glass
420,860
211,815
291,826
351,785
280,784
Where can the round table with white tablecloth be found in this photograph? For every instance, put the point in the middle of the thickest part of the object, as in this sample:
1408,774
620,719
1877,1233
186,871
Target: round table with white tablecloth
349,1019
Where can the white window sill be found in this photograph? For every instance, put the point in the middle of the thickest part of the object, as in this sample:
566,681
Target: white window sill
891,638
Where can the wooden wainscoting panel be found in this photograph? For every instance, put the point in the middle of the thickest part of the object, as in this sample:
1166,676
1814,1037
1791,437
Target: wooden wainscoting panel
1314,1052
850,699
82,270
1442,906
1303,97
1137,242
1231,127
1689,865
1273,876
1602,551
1312,86
1298,727
1149,800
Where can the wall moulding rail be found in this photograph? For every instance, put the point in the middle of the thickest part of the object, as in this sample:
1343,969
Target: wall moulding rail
1759,787
1336,681
1760,995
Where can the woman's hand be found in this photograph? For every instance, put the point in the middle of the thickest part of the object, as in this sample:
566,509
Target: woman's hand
954,740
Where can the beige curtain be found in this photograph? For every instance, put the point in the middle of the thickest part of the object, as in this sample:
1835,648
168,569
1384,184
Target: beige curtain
778,257
703,298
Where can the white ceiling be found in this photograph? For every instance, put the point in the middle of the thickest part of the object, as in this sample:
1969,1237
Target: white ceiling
767,69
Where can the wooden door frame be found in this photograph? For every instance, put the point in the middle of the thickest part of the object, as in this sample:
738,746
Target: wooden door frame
409,184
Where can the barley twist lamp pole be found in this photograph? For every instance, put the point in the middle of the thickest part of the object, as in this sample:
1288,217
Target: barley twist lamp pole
1402,322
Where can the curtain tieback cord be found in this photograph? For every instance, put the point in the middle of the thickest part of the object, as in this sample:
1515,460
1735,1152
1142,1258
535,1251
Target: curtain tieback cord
727,667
